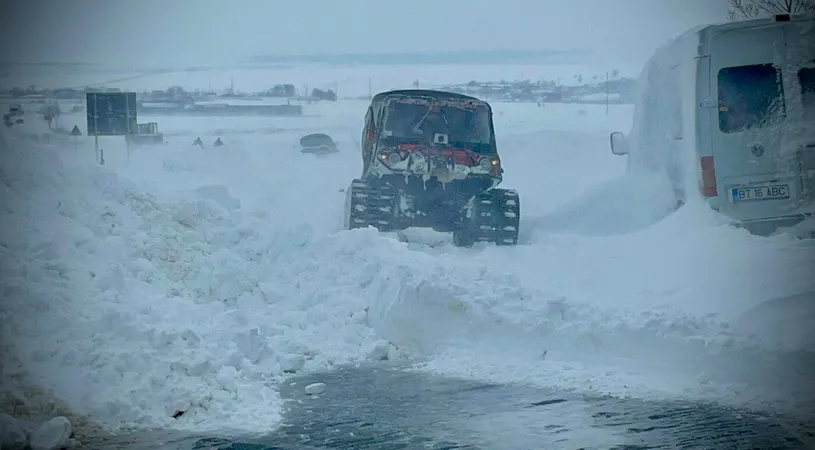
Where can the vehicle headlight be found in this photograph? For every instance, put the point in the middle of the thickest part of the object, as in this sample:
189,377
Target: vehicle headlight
485,163
394,158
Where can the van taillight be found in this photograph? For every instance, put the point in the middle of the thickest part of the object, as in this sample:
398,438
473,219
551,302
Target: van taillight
708,182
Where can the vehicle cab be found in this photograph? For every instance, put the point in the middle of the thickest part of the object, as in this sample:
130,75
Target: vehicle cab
430,135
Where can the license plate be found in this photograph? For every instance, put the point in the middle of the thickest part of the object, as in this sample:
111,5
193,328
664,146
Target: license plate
774,192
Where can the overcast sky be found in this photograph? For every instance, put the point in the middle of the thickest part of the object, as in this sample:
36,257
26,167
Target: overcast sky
216,31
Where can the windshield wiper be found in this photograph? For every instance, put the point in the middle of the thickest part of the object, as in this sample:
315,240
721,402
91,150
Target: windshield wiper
418,127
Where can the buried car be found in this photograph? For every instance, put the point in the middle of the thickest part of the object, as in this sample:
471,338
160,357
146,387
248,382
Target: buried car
318,144
430,160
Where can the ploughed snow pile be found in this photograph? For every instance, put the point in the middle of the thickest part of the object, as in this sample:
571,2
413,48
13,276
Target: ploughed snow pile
184,311
135,311
626,204
669,310
53,434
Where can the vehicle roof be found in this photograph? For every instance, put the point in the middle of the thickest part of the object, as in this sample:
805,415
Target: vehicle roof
423,93
705,32
701,34
315,137
751,23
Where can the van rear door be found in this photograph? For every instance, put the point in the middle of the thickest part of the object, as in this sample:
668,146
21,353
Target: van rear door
799,85
753,181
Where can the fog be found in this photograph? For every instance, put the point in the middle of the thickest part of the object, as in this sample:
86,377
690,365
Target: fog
155,32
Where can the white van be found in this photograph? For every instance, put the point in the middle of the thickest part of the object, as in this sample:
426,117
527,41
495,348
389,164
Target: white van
729,110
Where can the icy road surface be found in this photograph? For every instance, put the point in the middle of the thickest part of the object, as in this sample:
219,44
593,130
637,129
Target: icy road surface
195,281
385,407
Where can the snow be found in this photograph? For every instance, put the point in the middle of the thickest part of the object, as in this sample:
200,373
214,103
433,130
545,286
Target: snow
13,434
52,435
315,388
207,278
177,290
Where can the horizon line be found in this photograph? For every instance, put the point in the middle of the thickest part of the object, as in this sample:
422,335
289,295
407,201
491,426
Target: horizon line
459,55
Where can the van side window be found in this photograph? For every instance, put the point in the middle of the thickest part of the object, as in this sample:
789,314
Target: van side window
806,78
749,96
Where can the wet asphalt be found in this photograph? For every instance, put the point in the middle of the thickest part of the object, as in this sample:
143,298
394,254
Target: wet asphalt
384,407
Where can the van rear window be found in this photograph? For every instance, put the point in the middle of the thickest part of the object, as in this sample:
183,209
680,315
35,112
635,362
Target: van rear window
749,96
806,78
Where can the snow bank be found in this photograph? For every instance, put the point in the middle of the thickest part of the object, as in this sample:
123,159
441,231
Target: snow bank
667,311
627,204
53,434
133,310
782,323
183,309
13,433
662,138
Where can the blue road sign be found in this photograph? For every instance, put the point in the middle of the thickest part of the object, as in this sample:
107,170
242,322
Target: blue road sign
111,113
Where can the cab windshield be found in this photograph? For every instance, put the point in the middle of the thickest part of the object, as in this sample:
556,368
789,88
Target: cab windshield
464,122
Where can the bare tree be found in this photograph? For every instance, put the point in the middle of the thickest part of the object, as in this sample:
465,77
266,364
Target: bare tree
748,9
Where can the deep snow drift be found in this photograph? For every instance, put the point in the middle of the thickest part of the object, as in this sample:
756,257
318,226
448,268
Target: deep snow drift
193,280
132,308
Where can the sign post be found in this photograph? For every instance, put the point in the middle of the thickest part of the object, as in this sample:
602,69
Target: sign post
135,126
111,114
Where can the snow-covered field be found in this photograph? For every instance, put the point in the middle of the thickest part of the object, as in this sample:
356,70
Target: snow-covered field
347,81
195,280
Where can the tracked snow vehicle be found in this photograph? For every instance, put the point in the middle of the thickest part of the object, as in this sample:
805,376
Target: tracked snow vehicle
430,160
146,134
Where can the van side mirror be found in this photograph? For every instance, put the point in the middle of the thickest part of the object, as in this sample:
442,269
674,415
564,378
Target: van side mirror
619,145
